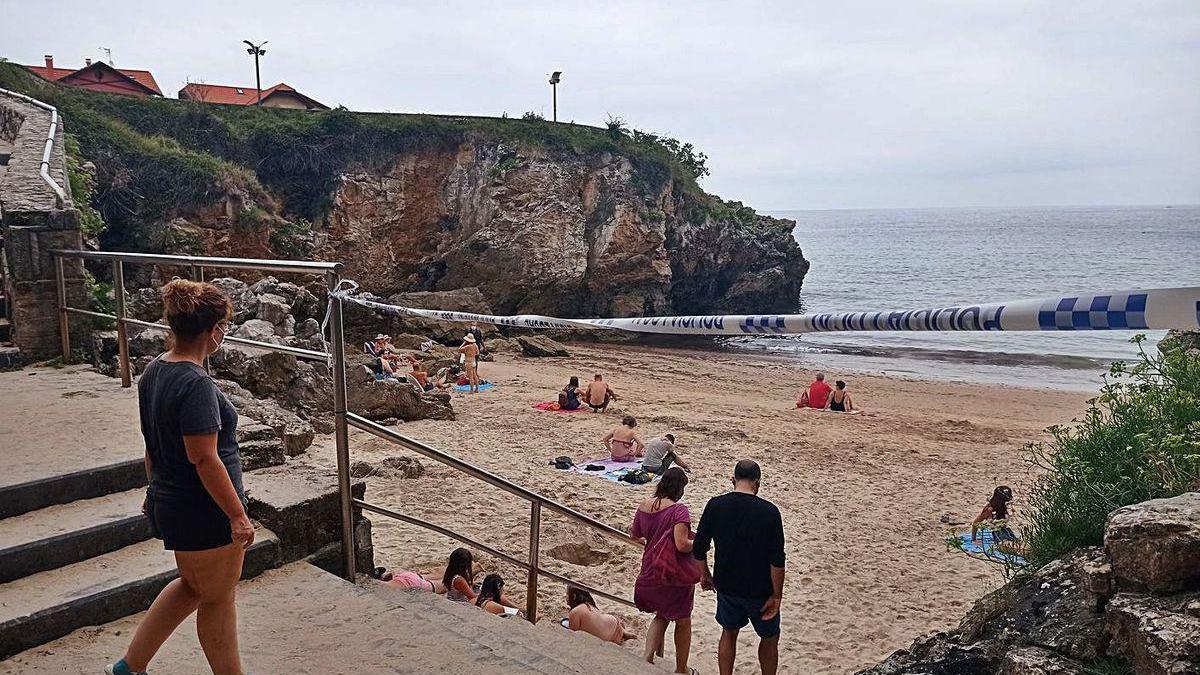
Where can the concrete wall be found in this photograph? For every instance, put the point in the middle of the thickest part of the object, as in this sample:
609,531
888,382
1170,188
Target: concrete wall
32,225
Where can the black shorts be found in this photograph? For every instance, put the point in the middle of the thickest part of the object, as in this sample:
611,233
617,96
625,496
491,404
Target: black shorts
198,526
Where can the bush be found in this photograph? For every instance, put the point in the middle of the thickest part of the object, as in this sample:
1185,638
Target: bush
1138,440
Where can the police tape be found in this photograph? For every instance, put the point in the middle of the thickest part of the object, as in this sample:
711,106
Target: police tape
1151,309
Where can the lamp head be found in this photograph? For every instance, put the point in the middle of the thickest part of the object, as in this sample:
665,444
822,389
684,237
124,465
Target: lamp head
556,77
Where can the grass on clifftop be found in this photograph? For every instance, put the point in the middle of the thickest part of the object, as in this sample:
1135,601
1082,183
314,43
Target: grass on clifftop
164,154
1138,440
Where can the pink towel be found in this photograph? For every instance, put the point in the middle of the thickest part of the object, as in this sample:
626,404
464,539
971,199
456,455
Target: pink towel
552,406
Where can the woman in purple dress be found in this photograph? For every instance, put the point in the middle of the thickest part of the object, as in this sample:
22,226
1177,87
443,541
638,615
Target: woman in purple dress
667,582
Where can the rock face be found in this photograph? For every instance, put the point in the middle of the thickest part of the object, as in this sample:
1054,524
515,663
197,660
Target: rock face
537,345
1157,543
1088,606
545,232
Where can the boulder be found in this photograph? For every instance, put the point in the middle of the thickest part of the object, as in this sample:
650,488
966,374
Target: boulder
147,342
381,399
296,433
1156,635
287,327
260,446
145,304
541,346
403,467
1155,545
503,346
263,372
446,332
1038,661
104,351
307,306
941,654
308,328
255,329
273,308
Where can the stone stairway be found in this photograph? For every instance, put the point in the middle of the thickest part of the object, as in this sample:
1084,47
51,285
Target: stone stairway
10,355
298,619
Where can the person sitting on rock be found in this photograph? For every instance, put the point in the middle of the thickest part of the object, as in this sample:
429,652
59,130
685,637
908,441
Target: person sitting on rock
599,394
385,356
416,374
585,616
568,398
412,581
623,442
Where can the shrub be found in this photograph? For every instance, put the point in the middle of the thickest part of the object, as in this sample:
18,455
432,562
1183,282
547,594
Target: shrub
1138,440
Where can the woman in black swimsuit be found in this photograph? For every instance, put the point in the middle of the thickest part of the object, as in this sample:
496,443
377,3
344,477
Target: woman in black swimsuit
839,399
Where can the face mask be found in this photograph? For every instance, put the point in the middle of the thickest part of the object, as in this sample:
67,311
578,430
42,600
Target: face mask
217,343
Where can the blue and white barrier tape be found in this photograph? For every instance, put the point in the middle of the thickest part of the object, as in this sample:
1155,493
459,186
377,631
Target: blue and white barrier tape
1151,309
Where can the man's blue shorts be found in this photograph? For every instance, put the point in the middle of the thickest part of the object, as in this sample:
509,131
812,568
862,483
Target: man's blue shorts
733,613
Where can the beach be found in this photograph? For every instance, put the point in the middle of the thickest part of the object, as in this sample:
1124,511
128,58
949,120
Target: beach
863,497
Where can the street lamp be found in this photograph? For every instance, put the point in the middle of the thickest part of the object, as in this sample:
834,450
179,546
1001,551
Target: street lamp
256,51
555,78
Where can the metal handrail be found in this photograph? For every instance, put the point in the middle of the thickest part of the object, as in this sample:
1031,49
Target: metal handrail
367,506
285,349
60,195
485,475
300,266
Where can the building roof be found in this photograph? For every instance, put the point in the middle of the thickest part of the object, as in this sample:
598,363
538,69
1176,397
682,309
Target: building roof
54,74
231,95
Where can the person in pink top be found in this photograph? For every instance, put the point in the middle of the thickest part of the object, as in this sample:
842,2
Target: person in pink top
816,395
667,582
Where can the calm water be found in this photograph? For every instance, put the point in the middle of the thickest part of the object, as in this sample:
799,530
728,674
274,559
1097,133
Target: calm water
902,259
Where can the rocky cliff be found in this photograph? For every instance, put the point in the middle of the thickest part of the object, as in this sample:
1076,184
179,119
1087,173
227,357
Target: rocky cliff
557,233
541,217
1131,606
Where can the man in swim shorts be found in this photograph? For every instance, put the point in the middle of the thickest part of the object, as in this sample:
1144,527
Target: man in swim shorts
598,394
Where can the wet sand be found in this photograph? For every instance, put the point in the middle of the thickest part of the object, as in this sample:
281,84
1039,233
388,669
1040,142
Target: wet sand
862,496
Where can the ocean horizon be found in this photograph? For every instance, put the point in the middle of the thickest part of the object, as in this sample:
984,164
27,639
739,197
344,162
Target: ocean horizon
883,259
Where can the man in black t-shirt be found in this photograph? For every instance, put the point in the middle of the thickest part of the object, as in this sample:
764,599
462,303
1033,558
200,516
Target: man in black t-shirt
748,565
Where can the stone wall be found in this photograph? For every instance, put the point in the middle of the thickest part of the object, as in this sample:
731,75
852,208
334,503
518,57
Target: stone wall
32,225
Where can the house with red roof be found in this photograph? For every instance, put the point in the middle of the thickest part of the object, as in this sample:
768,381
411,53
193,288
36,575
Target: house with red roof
279,96
99,76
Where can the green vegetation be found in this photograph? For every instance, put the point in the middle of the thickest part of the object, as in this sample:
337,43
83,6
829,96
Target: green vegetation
83,189
158,158
1138,440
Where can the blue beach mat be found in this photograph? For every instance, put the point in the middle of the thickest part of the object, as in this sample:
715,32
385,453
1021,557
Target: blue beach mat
613,470
467,387
984,547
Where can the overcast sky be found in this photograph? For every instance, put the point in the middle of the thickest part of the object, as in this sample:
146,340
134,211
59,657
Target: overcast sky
798,105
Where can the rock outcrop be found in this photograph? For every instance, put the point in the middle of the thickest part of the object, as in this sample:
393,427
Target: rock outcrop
1092,605
385,399
562,233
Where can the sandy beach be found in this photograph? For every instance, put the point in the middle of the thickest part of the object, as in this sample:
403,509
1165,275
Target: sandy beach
862,497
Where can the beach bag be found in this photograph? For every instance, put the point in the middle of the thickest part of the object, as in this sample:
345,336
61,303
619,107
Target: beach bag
638,477
563,462
664,565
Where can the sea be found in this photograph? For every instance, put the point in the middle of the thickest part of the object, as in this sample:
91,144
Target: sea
886,259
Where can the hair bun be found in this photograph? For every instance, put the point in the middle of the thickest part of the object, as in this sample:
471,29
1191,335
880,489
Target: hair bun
181,296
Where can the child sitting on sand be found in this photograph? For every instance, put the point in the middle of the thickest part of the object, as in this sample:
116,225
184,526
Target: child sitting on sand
459,577
586,617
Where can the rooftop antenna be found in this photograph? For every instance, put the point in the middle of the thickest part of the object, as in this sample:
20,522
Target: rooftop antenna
108,53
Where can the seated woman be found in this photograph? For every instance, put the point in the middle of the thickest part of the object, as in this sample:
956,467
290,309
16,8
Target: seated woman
459,577
421,377
995,515
568,398
623,442
839,399
586,617
408,580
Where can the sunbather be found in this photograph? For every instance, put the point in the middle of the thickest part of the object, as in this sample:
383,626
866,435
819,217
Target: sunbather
584,616
568,398
623,442
408,580
599,394
839,399
660,455
816,395
470,361
994,517
459,577
492,599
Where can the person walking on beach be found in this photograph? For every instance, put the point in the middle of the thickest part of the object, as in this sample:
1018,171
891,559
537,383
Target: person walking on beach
623,442
748,569
816,395
195,502
599,394
470,361
666,584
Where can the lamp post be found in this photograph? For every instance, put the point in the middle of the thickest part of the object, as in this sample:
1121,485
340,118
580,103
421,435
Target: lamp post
256,51
555,78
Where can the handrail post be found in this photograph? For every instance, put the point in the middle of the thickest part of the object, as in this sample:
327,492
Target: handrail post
198,277
340,432
64,326
118,271
535,540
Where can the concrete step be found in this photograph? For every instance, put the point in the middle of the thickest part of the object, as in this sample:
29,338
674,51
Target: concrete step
300,620
40,493
64,534
48,605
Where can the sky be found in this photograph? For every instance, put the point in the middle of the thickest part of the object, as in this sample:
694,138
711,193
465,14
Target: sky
798,105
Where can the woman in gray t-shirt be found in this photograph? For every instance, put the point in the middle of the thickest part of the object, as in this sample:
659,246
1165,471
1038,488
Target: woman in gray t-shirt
195,503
